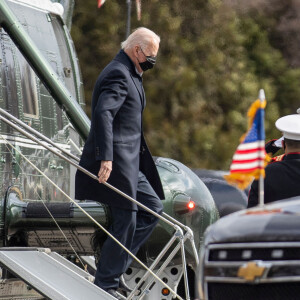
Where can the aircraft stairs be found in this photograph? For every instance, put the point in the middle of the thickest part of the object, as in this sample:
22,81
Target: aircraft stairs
47,275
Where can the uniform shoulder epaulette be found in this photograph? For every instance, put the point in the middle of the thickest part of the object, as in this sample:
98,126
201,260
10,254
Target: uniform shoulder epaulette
277,158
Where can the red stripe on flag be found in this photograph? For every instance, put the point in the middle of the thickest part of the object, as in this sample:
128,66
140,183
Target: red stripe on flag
238,151
244,161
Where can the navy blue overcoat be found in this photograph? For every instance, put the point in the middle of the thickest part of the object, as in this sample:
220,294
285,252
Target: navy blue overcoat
116,134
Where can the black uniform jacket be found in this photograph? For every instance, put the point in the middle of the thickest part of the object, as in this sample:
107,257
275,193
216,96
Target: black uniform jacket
282,180
116,134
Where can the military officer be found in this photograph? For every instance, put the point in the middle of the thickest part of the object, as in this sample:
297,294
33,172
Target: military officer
282,175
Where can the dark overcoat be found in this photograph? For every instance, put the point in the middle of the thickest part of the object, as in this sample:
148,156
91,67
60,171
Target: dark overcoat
282,180
116,134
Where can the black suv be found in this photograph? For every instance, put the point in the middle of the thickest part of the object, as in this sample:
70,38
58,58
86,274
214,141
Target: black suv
253,254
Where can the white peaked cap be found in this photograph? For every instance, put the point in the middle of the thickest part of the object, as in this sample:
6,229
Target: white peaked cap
289,126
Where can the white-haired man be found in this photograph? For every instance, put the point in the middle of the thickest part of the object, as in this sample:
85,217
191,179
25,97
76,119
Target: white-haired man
116,151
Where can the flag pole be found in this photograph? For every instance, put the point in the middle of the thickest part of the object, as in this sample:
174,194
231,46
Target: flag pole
128,18
261,189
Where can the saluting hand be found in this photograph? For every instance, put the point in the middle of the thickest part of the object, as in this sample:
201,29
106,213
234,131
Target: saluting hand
105,170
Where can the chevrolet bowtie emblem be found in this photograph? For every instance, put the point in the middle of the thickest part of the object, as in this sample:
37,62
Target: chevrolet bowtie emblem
251,270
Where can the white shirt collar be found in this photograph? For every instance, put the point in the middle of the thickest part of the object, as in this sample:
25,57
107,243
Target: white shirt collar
137,72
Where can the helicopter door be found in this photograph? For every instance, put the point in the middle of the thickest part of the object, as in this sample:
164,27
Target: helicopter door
10,95
29,94
9,72
64,52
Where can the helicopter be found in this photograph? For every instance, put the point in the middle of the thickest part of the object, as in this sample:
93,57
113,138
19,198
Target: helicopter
41,91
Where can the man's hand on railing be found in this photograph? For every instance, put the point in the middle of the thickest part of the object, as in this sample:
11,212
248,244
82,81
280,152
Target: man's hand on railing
105,170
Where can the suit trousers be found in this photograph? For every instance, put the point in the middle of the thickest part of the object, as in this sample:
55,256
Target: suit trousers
132,229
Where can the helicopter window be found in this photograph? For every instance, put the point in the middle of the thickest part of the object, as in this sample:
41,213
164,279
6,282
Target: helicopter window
8,69
65,55
29,91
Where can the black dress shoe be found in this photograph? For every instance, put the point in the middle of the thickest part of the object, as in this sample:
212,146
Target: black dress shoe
114,293
123,286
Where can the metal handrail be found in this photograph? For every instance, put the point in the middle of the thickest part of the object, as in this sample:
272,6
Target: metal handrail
41,136
89,216
170,221
35,132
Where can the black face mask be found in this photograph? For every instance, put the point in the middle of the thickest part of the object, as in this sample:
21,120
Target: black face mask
149,63
146,65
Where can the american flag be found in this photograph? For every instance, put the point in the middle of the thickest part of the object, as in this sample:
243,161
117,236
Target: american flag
250,157
100,3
